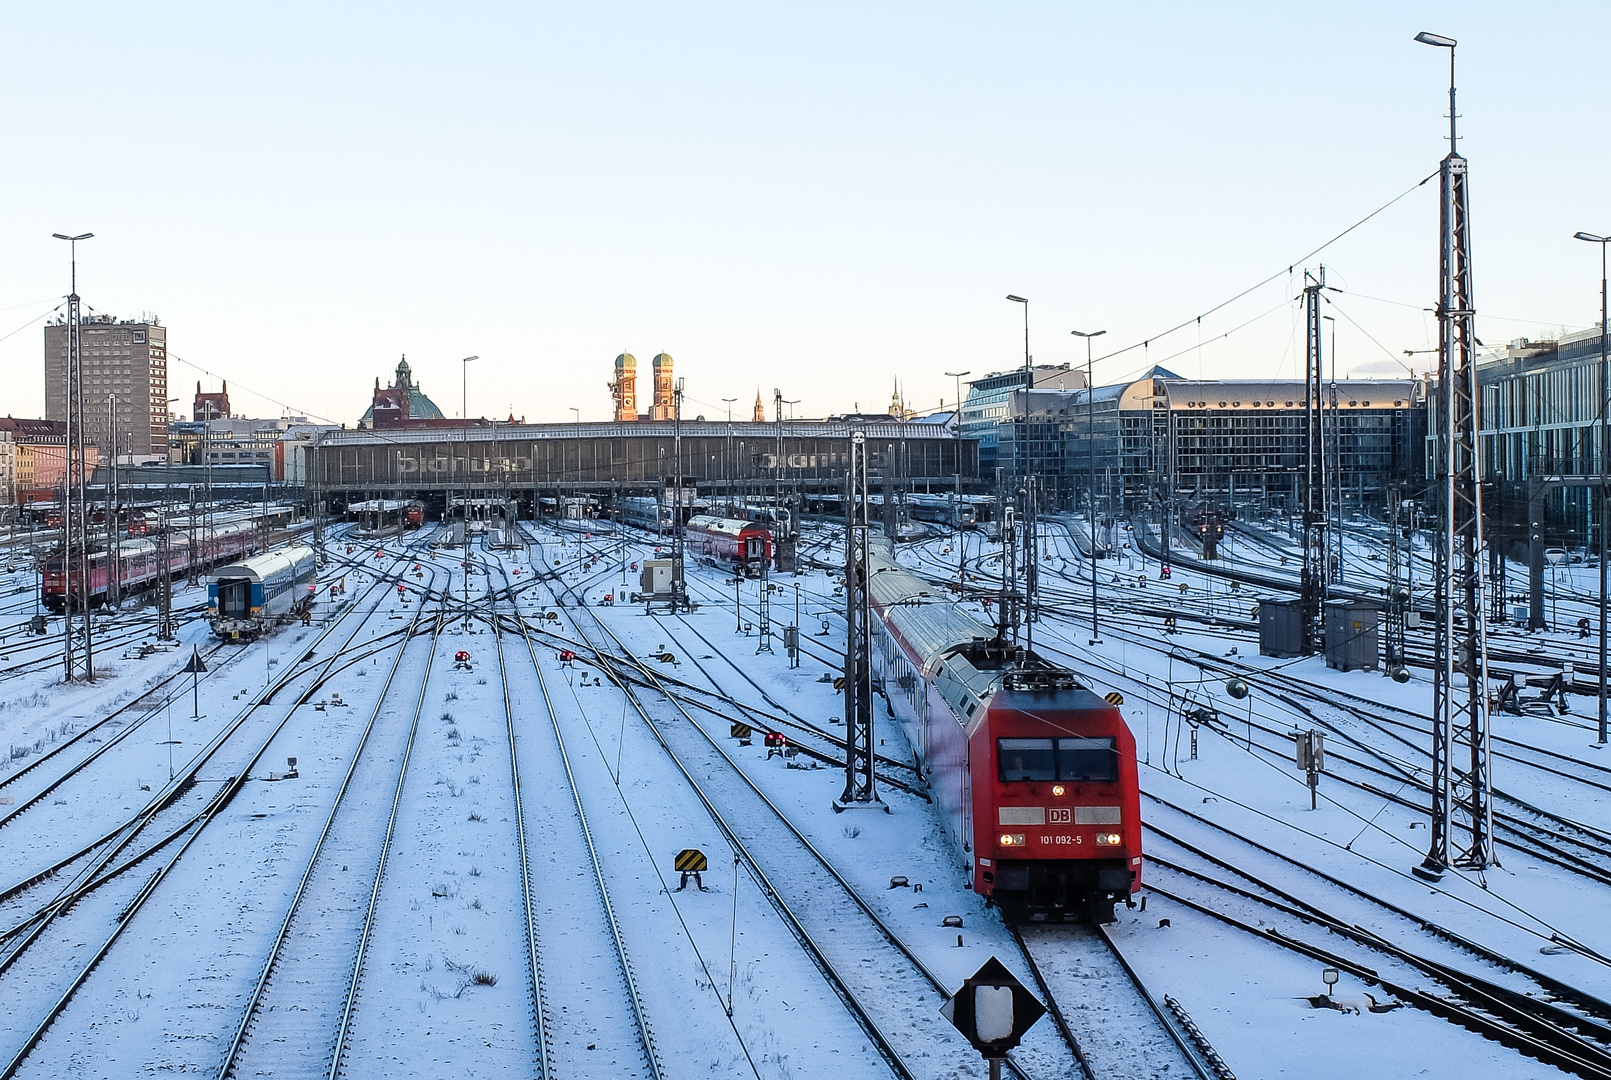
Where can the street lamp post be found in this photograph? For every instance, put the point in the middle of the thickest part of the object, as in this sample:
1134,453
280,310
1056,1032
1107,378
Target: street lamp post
1090,446
956,498
464,508
1605,467
1029,384
1025,484
728,465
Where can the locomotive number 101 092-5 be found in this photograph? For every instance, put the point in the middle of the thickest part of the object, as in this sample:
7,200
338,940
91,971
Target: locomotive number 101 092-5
1062,839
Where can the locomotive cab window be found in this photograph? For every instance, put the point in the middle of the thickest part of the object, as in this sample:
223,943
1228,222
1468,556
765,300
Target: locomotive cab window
1026,759
1057,759
1087,759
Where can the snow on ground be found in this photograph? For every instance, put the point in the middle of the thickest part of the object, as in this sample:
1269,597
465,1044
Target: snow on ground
170,994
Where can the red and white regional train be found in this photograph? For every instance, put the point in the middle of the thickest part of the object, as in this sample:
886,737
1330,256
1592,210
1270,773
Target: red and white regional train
1034,774
735,544
140,562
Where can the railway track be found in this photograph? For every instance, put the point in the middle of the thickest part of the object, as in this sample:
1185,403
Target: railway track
830,917
292,1024
165,829
576,1011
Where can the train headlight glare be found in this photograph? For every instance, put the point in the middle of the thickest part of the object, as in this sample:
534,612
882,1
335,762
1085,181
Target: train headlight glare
1012,839
1108,839
1059,789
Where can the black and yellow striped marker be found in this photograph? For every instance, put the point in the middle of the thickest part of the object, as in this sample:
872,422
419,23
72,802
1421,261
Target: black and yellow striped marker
690,861
739,730
1114,697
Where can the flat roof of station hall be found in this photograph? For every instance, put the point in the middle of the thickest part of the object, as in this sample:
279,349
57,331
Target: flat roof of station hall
822,429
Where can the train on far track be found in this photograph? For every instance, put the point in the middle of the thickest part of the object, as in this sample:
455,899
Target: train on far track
734,544
139,563
247,598
1033,772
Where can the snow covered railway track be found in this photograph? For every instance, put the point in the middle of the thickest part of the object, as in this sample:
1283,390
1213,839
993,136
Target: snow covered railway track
574,1011
178,814
895,1003
87,743
154,825
1534,830
1259,864
1104,1007
296,1015
1531,1026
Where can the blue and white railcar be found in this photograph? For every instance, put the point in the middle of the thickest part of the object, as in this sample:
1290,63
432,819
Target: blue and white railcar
650,514
247,597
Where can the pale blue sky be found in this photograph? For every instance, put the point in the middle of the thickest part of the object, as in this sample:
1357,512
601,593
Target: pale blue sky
820,197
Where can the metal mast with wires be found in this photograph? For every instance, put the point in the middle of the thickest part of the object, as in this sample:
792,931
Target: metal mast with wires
1462,813
1312,588
860,787
75,526
679,584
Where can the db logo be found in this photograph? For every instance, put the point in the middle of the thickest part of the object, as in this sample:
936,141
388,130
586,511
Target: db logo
1056,816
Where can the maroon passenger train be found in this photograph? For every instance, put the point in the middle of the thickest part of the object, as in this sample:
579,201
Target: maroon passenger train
735,544
1033,773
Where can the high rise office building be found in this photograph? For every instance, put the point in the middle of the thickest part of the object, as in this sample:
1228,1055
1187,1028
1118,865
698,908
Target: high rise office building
122,357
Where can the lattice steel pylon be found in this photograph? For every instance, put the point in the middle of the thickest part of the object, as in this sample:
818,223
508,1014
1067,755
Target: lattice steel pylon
1312,587
1462,811
860,786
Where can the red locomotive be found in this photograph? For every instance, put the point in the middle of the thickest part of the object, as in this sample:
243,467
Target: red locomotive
1034,774
743,547
140,563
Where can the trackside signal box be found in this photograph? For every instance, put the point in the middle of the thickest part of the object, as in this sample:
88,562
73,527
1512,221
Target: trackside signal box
1351,635
1281,628
656,577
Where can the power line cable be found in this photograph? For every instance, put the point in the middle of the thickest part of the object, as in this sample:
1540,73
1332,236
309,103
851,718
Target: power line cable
1286,270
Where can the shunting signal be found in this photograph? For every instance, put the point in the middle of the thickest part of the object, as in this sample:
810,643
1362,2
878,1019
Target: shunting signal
690,862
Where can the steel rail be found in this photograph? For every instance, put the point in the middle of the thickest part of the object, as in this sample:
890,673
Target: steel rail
528,902
221,799
356,978
254,1000
1483,1013
623,962
840,985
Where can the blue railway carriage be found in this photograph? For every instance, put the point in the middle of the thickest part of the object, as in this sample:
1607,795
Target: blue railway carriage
246,598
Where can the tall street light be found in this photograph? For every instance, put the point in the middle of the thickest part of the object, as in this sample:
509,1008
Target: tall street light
1605,464
1090,446
464,417
956,502
1029,384
727,458
1025,485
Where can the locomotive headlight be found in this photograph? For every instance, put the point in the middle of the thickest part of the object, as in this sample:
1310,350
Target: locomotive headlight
1108,839
1012,839
1059,789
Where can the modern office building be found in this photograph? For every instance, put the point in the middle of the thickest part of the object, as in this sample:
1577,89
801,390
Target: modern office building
987,411
1540,417
125,357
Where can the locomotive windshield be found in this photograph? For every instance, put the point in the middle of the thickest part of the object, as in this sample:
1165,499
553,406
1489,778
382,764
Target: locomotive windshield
1057,759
